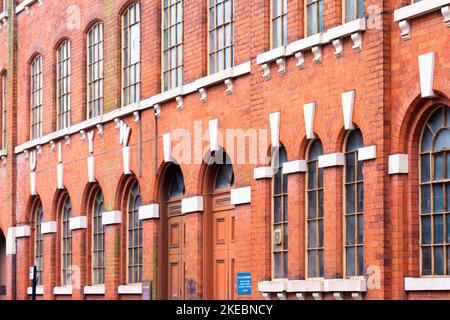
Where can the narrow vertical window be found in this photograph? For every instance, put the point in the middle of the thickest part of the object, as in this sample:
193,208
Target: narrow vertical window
315,211
4,94
173,44
38,244
134,235
280,216
63,85
279,23
435,194
98,240
131,54
36,97
66,243
314,12
354,206
353,9
95,70
221,35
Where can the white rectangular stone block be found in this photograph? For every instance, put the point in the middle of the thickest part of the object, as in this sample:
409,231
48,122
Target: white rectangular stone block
367,153
167,147
214,135
426,70
344,285
11,241
126,157
275,129
331,160
60,176
241,195
33,190
23,231
76,223
263,173
111,217
294,166
427,284
150,211
49,227
193,204
91,169
398,163
309,285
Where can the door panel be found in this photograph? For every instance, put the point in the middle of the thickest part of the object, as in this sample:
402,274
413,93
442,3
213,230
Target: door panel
176,243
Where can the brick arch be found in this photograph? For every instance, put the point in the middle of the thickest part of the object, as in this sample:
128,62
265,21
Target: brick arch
123,188
87,198
56,203
161,179
123,6
205,172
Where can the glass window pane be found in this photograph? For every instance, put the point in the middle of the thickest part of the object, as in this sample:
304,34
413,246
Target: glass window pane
427,139
350,230
350,167
350,261
349,10
442,141
426,198
439,260
320,263
312,204
360,229
438,198
425,168
320,203
277,264
438,229
320,22
437,120
312,21
448,227
320,178
277,182
311,175
312,233
439,167
426,230
360,197
277,209
285,208
320,233
311,263
350,198
426,261
360,261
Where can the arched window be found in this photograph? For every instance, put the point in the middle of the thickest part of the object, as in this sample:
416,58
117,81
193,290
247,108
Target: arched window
225,173
280,215
63,85
36,97
98,240
38,243
134,237
131,54
4,108
354,206
176,182
66,243
315,211
314,16
95,70
353,9
435,194
279,23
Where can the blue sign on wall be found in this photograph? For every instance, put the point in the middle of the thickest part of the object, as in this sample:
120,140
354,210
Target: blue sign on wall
244,283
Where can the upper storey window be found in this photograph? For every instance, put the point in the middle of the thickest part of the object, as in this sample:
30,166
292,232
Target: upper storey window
36,97
95,70
4,92
63,85
131,54
279,23
221,35
314,16
353,9
173,44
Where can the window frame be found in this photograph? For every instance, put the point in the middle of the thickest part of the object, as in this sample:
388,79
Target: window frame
63,110
97,217
138,229
344,11
176,46
4,108
214,30
66,238
282,31
306,5
136,85
38,243
91,64
36,75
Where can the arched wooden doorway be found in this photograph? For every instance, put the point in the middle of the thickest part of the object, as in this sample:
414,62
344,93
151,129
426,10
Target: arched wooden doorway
219,230
172,268
2,266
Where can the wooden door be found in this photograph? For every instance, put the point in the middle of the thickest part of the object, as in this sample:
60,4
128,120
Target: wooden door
176,244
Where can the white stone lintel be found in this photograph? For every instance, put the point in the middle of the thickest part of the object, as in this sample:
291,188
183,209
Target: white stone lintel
193,204
150,211
241,195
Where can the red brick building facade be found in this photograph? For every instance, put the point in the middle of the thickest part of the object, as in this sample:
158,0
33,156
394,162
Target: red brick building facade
333,115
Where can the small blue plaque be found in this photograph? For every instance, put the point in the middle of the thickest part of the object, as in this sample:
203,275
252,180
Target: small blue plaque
244,283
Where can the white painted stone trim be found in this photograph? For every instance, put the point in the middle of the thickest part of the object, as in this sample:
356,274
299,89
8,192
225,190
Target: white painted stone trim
344,285
418,9
367,153
331,160
214,135
11,241
344,30
126,158
241,195
76,223
150,211
39,290
33,190
60,176
427,284
271,55
62,291
167,147
263,173
193,204
91,169
22,231
305,43
272,286
96,289
111,217
398,163
294,166
49,227
25,4
309,285
274,120
426,72
130,289
3,15
309,112
149,103
348,104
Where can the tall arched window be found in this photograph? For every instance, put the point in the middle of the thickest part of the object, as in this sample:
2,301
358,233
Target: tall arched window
66,243
354,206
36,97
38,243
280,215
95,70
176,182
131,54
98,240
315,211
4,94
134,235
225,173
435,194
63,85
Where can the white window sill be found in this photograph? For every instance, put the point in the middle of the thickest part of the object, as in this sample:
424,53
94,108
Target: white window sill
271,55
130,289
62,291
345,30
95,289
26,3
148,103
344,285
278,285
3,15
427,284
39,290
419,9
305,43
